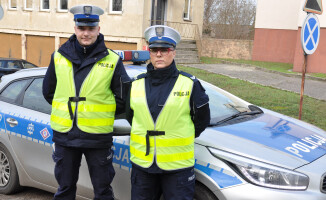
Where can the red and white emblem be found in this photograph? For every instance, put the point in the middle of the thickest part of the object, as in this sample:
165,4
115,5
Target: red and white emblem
45,133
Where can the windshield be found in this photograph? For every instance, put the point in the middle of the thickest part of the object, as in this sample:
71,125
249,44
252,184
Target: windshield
222,106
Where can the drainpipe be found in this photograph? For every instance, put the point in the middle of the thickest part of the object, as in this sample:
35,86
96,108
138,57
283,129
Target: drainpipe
24,47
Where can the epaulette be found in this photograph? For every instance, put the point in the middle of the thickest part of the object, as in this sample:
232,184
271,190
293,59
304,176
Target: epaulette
140,76
113,51
192,77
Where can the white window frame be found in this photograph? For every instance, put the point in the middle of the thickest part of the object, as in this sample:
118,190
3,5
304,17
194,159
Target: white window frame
59,6
188,8
114,11
10,7
41,6
25,5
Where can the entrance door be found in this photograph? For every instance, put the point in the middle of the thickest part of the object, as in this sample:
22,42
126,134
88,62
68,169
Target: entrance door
158,12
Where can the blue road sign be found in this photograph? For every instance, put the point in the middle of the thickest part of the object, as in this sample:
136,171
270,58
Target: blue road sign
1,12
310,34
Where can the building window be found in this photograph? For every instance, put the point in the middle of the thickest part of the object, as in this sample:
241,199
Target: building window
63,5
45,5
116,6
28,4
186,14
13,4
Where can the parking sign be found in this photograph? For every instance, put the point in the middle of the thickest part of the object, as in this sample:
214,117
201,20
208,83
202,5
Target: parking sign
310,34
1,12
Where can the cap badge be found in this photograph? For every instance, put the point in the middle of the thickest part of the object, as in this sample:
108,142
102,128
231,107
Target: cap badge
88,10
159,32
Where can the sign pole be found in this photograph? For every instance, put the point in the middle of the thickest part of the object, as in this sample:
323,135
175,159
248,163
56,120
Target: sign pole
310,34
304,69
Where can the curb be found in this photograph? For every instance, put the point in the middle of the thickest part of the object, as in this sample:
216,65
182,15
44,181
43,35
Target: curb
272,71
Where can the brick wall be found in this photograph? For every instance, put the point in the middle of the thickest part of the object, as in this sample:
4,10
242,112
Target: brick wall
227,48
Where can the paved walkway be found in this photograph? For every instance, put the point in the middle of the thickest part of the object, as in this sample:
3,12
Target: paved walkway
314,87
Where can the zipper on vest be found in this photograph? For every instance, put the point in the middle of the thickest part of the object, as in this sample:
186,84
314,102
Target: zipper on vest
157,117
76,103
81,87
84,49
153,123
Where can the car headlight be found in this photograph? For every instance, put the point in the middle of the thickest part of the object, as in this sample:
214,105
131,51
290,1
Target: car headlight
263,174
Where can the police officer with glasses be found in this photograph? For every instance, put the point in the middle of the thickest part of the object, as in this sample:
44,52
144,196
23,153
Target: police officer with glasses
167,109
84,84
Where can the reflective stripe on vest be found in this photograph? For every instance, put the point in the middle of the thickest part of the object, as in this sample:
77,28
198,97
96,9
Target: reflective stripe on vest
173,150
96,113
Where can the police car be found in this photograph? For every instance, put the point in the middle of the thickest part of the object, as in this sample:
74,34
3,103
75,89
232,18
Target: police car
248,152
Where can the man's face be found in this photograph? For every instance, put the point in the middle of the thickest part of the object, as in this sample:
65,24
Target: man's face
162,57
87,35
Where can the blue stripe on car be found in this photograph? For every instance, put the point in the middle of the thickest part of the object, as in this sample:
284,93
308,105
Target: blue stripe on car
30,129
280,134
219,176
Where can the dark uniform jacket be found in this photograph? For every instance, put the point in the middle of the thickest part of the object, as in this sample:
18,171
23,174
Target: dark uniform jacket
83,60
159,83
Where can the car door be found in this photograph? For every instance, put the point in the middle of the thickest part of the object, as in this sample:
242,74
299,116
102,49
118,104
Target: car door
26,118
121,160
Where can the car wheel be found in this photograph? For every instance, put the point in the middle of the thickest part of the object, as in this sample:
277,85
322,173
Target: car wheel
203,193
9,181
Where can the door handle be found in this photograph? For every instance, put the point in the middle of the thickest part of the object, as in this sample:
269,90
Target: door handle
12,122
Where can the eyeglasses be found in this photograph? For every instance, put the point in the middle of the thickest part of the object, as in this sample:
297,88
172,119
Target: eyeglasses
163,51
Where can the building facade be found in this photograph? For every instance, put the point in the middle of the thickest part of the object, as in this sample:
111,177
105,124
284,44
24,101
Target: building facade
278,35
33,29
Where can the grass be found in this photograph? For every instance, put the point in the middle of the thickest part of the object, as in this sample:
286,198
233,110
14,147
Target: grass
274,66
281,101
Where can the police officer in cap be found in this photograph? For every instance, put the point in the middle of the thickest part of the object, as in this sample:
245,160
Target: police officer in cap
84,84
167,109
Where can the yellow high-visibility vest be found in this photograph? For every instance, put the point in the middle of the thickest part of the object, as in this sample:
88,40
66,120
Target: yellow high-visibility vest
95,107
171,138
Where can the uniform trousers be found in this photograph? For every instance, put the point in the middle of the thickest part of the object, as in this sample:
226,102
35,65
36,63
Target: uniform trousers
67,163
179,185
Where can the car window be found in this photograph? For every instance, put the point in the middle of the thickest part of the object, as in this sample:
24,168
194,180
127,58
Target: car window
12,92
220,105
33,98
29,65
2,64
14,65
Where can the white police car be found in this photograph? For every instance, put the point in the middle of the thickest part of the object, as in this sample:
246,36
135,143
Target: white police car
246,153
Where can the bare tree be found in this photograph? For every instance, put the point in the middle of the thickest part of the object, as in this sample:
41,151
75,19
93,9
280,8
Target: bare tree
210,10
230,19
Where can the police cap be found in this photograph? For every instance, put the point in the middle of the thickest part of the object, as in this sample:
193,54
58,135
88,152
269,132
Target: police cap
162,36
86,15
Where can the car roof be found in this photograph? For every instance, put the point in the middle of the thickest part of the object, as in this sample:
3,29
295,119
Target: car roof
11,59
132,70
22,74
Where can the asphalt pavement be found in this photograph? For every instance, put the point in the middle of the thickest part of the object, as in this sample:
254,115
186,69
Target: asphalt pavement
313,87
28,193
